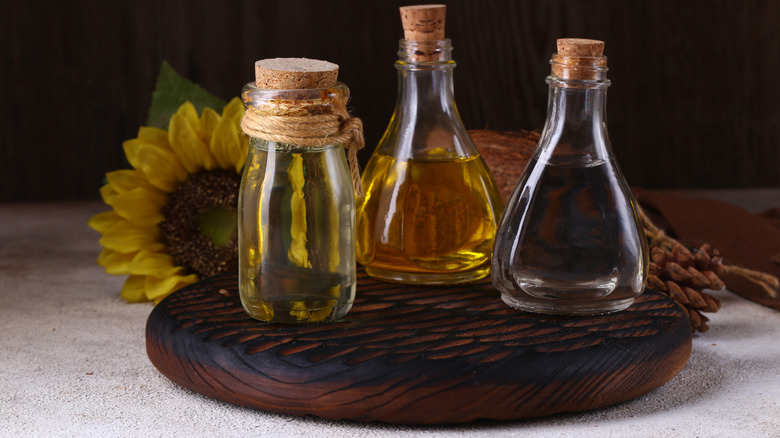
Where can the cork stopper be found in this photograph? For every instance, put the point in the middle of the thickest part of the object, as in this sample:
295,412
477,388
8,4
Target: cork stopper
423,22
579,59
580,47
295,73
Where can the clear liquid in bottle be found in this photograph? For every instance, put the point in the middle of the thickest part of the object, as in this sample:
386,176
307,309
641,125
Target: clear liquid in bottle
576,248
297,265
296,221
570,240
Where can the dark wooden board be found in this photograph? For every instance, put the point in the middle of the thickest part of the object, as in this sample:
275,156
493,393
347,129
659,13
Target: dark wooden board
416,355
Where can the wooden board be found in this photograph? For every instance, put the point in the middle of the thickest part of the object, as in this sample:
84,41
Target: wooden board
416,355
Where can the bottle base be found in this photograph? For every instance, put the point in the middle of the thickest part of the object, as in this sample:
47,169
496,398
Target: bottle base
429,279
294,312
535,305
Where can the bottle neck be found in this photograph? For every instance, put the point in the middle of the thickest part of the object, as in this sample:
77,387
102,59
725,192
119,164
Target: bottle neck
425,123
426,88
576,127
425,76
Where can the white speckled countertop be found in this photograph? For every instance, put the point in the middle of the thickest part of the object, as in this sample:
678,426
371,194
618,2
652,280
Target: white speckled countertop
73,360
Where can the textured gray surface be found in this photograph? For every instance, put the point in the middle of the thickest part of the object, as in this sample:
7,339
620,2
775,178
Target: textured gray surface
73,361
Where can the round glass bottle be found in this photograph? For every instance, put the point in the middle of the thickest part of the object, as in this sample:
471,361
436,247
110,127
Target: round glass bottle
570,241
431,207
296,205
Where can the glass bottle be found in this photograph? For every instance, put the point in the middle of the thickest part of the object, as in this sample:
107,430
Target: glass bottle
431,207
296,238
570,241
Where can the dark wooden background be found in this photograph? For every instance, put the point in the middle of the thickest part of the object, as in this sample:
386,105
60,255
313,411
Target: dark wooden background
695,100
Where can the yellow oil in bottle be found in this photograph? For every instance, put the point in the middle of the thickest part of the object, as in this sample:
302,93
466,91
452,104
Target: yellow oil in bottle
296,247
427,221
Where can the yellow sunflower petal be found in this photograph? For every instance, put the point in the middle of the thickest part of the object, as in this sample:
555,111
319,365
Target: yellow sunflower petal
232,115
161,166
154,136
226,143
146,135
116,263
234,108
125,180
133,289
108,194
140,206
104,221
131,148
125,237
103,257
191,151
208,121
153,263
159,288
190,114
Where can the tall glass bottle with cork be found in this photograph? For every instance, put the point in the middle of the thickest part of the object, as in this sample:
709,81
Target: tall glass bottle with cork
570,241
431,207
296,238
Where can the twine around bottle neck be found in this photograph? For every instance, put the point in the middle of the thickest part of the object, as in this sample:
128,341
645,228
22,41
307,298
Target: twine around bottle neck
336,127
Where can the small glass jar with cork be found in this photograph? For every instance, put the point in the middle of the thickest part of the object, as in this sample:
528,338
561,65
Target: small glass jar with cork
431,206
296,238
570,240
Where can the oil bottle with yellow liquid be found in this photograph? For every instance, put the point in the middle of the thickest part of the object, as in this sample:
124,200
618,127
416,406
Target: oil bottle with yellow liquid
431,206
296,222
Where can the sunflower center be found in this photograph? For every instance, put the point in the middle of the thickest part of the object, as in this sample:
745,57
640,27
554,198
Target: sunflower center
200,227
219,225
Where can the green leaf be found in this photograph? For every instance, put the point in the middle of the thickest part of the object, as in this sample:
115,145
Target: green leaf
171,91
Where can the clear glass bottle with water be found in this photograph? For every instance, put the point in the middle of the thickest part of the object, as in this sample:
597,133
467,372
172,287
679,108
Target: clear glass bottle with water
570,241
296,217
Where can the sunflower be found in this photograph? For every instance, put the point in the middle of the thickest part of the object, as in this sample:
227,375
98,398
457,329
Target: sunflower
173,217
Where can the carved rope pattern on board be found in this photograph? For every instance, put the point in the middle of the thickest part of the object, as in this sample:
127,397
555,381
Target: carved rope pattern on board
404,323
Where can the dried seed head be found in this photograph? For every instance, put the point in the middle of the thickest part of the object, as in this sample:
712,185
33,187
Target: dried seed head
655,269
715,282
698,280
702,261
660,255
713,304
682,255
694,298
677,272
655,283
699,321
676,293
